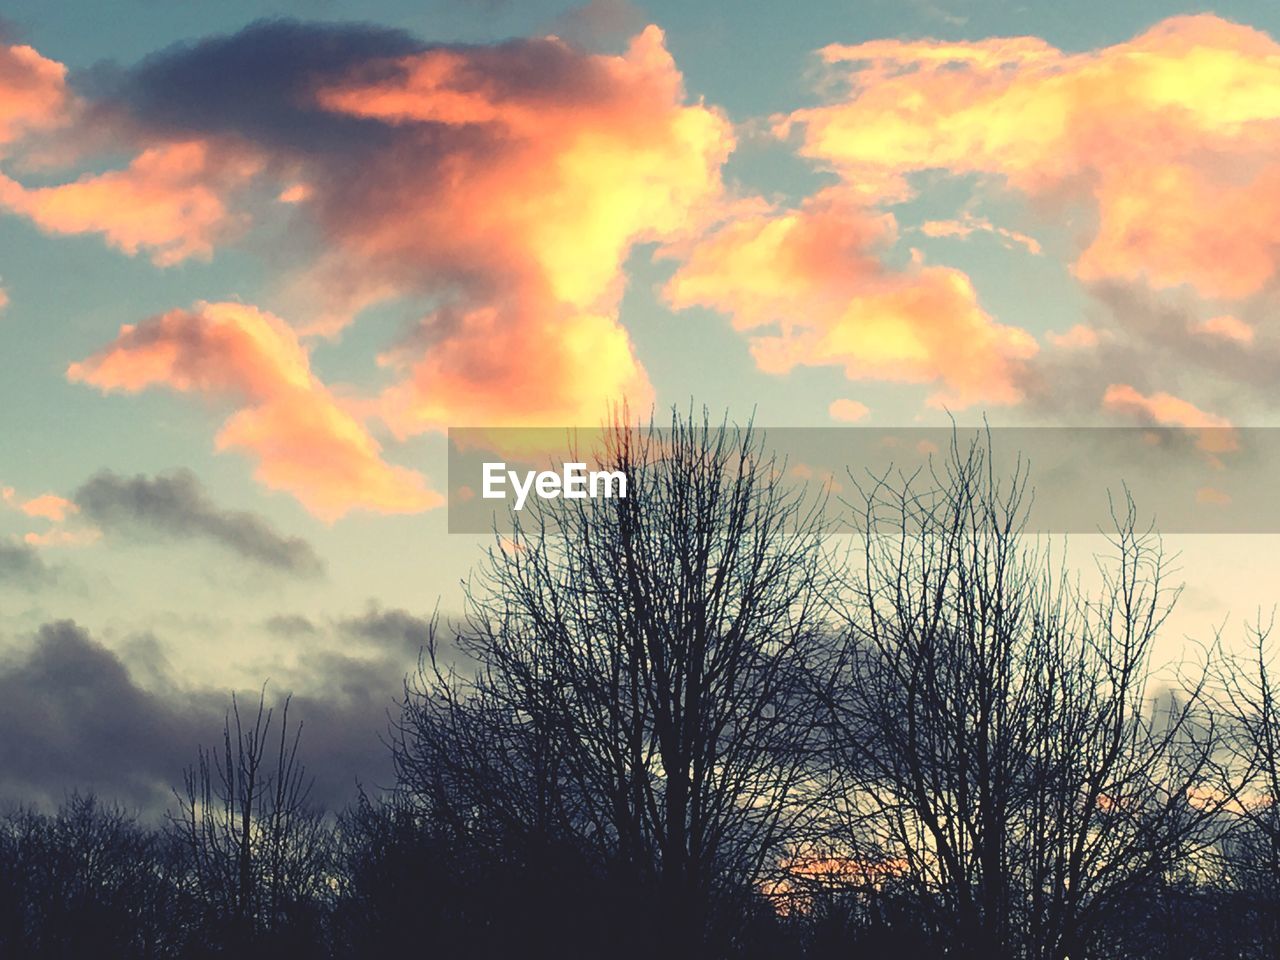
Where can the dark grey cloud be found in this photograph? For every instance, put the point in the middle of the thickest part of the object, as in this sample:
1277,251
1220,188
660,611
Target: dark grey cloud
22,566
256,84
258,87
397,628
291,625
1149,342
600,23
72,716
175,506
75,714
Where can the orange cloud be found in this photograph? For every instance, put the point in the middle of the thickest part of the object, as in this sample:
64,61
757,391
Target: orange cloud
1167,410
577,176
847,411
1225,326
518,367
1171,137
304,440
1079,337
33,91
968,225
169,201
501,187
544,187
61,537
49,506
1212,496
814,276
1162,408
55,509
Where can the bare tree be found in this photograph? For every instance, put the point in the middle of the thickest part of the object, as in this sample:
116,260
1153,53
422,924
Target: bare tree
87,880
1251,849
641,673
999,738
253,848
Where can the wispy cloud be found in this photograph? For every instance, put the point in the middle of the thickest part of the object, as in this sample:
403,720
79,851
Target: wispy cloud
816,275
304,440
1171,137
175,506
22,566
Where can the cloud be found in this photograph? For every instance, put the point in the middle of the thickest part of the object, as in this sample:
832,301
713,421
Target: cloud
810,286
847,411
1079,337
72,716
1168,410
1161,408
176,506
168,201
398,627
498,189
305,441
33,92
22,566
501,186
968,225
48,506
56,510
1154,341
516,366
1213,497
62,537
290,625
75,714
191,118
1169,139
1225,326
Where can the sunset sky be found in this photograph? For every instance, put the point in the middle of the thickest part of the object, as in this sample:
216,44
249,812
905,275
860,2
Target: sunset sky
252,269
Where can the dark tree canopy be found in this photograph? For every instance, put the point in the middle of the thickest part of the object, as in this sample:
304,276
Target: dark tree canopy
692,724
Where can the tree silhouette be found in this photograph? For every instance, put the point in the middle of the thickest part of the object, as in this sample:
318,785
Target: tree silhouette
641,685
253,852
683,723
998,733
87,880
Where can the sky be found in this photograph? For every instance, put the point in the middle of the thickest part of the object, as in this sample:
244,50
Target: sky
256,259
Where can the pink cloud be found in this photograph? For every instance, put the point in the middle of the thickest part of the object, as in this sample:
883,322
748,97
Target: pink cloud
303,439
532,231
809,285
1212,496
1161,408
49,506
168,202
1226,327
62,537
968,225
847,411
501,187
1079,337
33,92
1171,138
46,506
1168,410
